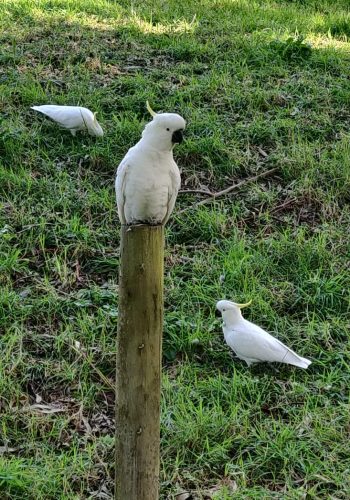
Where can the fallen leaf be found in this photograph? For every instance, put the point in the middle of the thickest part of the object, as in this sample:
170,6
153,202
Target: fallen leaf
183,495
230,485
87,425
46,409
93,63
262,152
6,449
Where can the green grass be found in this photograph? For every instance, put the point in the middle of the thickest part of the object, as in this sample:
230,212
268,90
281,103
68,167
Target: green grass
262,84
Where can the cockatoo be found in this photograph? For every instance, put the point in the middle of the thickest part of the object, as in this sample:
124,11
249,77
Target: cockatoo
148,178
250,342
73,118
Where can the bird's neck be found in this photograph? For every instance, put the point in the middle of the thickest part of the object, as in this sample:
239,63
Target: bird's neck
151,143
232,317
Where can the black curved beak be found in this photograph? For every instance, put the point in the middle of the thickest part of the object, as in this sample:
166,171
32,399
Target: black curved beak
177,137
217,313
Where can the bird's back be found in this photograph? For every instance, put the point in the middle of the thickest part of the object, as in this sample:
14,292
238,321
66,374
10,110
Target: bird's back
67,116
249,341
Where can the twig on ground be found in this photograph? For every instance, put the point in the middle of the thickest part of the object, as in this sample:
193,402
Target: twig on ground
213,196
77,348
196,191
284,205
30,226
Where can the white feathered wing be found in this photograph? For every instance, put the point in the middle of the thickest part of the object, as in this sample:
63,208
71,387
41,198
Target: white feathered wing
253,344
73,118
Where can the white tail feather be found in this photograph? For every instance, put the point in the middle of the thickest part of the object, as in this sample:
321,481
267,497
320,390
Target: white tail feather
292,358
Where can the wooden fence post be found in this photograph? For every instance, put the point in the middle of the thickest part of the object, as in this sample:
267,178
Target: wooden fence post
139,357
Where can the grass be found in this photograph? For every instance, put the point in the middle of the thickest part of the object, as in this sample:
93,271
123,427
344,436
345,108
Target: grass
262,85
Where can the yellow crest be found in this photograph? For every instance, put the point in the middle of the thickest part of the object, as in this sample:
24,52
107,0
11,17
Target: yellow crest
150,110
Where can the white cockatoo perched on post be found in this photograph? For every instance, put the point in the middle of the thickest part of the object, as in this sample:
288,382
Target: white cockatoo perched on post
148,178
250,342
73,118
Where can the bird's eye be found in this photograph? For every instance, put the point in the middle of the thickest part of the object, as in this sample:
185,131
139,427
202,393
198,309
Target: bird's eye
168,129
223,310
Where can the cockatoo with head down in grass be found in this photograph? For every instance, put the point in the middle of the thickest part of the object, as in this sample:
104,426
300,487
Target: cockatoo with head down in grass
250,342
148,178
73,118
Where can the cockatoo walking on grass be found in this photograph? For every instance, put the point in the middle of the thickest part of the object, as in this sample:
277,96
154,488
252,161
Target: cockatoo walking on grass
250,342
148,178
73,118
